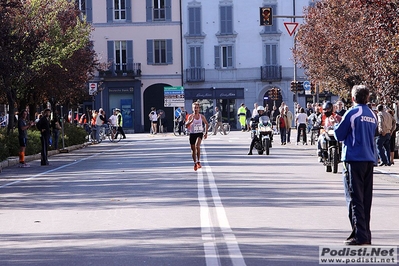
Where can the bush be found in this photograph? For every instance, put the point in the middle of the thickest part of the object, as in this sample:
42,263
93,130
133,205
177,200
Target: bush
9,144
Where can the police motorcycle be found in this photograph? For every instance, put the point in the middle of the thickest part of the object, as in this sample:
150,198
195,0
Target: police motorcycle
331,148
262,133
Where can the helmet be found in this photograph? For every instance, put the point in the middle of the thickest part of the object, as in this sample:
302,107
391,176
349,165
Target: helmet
260,108
327,106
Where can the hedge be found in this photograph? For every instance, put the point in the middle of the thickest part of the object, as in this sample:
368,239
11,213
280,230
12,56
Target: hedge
9,144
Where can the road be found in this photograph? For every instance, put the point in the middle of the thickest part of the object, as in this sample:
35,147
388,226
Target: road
139,202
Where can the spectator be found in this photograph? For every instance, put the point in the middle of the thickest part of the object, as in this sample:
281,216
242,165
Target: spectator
154,120
290,118
3,120
281,124
23,125
56,127
248,116
255,111
340,108
273,114
100,120
301,120
43,125
218,121
357,130
392,142
384,130
113,119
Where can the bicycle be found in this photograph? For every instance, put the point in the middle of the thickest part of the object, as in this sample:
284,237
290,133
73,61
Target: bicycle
212,124
112,133
106,131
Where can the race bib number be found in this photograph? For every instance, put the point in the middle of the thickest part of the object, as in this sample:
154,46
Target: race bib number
198,128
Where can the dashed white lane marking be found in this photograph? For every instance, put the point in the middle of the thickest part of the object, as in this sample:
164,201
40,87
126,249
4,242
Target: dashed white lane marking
206,224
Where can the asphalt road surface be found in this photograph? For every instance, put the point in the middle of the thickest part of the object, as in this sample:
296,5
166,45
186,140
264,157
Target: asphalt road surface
139,202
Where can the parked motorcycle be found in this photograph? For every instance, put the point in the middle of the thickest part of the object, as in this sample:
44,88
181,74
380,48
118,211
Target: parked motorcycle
263,132
330,151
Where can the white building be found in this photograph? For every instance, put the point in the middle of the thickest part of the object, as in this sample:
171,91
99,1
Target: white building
216,49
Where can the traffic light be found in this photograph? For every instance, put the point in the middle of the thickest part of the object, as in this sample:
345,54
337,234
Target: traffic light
293,86
299,86
312,88
266,16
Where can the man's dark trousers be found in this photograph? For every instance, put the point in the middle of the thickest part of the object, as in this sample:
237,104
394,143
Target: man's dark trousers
358,183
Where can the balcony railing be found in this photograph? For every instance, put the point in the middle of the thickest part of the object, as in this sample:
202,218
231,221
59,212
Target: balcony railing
271,73
195,74
127,70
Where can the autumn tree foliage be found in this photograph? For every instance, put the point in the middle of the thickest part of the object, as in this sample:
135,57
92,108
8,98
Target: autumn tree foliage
45,52
348,42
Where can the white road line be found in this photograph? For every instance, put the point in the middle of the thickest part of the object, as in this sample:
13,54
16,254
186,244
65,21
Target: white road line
208,235
228,235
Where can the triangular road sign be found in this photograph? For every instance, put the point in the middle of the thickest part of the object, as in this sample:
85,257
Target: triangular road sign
291,27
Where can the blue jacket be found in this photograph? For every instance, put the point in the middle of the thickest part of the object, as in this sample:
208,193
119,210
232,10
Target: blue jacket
356,130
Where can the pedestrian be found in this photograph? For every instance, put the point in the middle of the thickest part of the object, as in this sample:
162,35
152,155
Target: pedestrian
241,113
119,123
255,110
356,130
383,139
340,108
290,118
273,114
154,120
301,120
248,116
23,125
218,122
195,125
182,121
55,128
281,124
100,120
113,119
43,125
392,141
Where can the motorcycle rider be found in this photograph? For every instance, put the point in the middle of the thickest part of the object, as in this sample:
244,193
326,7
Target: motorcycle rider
328,120
254,125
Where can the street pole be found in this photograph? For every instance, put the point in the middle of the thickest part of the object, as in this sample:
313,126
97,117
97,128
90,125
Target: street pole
62,131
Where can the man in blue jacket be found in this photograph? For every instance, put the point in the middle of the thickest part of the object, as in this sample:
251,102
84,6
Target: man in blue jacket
356,130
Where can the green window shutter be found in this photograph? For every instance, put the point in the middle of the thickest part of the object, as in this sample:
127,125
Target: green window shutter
150,52
217,57
169,51
149,8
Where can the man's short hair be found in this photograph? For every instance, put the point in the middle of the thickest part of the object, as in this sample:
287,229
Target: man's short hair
360,93
380,107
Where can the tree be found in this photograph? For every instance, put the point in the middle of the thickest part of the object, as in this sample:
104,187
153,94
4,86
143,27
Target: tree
40,36
343,43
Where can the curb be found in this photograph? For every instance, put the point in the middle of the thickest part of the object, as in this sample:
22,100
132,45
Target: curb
11,161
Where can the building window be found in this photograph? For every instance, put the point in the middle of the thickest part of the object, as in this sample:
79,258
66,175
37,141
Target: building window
159,52
194,21
120,55
226,20
270,54
159,9
224,56
119,10
81,5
